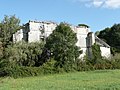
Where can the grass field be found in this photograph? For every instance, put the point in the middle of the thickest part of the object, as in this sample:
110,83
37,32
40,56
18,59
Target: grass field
91,80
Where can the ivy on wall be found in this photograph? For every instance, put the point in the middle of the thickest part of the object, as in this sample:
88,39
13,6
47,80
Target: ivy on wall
96,53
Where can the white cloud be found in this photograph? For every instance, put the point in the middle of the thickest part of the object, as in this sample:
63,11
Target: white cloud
97,3
114,4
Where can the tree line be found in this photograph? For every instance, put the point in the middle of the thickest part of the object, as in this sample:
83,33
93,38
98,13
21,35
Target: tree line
111,35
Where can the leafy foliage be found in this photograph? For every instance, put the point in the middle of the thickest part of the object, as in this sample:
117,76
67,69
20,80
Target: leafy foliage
8,27
1,50
49,67
24,54
96,52
97,62
62,44
83,25
21,71
112,37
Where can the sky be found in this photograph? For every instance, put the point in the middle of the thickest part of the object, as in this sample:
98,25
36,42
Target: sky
98,14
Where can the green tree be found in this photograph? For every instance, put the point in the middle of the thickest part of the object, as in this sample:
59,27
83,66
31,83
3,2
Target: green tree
115,36
62,45
97,33
105,35
1,50
112,36
8,27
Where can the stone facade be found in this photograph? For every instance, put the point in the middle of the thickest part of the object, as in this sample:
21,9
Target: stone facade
81,32
35,31
104,47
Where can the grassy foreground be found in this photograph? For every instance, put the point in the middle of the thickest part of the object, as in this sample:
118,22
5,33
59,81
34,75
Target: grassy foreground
91,80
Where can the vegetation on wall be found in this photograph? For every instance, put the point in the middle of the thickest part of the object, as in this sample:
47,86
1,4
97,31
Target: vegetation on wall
96,53
83,25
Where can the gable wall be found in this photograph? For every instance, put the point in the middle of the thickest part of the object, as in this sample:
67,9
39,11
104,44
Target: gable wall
105,52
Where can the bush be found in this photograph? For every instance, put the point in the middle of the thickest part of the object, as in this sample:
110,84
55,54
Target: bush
83,65
24,54
24,71
18,71
115,64
49,67
2,72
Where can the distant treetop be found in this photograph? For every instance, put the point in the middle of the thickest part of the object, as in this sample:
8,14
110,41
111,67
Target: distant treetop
83,25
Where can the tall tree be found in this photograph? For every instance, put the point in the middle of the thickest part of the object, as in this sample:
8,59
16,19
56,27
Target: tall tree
62,45
8,27
105,34
111,36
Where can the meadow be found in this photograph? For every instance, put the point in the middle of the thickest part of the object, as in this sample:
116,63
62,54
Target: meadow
87,80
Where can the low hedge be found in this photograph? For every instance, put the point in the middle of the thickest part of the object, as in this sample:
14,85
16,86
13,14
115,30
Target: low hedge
24,71
50,68
21,71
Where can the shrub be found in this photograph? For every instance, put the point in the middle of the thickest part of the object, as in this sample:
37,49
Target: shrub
24,54
49,67
115,64
18,71
83,65
96,54
25,71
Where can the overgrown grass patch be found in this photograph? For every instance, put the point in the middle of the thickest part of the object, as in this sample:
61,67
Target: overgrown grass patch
89,80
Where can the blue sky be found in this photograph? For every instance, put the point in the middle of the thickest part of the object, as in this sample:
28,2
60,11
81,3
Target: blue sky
98,14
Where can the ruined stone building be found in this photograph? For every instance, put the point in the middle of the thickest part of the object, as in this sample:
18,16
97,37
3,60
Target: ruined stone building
35,31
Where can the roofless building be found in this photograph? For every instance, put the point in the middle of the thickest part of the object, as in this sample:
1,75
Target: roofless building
36,31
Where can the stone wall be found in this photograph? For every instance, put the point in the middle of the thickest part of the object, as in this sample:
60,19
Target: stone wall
38,30
105,52
18,36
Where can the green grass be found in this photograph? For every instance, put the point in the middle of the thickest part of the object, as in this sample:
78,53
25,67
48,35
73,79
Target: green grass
91,80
